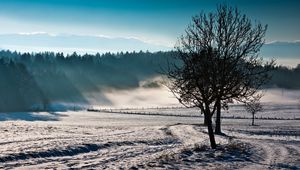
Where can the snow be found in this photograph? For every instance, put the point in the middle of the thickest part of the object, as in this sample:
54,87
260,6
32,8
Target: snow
103,140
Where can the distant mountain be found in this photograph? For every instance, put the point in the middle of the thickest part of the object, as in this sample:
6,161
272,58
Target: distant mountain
282,50
28,42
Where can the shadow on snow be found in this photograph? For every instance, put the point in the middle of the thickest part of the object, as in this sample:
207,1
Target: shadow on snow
30,116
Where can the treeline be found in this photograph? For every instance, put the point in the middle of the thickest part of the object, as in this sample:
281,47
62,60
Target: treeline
283,77
35,80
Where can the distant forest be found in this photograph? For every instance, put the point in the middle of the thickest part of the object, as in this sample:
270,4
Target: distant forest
38,79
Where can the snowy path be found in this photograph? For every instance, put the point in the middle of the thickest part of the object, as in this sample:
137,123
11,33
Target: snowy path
276,145
274,154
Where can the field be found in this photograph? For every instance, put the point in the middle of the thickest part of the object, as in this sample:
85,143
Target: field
149,138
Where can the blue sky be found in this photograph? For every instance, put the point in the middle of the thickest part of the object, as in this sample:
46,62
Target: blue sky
156,22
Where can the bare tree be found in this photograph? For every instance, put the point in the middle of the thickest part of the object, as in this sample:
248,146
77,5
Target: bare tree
217,62
253,106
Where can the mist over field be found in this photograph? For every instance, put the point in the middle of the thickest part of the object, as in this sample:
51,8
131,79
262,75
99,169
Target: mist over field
162,97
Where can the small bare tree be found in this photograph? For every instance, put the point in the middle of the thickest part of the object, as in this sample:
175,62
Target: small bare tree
253,106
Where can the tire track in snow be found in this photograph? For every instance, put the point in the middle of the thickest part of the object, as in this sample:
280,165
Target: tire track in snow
293,156
127,157
273,155
79,149
71,137
187,136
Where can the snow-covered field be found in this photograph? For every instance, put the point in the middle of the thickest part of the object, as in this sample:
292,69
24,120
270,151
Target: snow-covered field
99,140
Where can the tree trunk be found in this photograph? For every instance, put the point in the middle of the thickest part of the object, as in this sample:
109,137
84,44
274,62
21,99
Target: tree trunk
218,118
205,121
210,130
252,119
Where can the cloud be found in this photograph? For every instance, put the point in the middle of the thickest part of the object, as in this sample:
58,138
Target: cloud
282,42
37,33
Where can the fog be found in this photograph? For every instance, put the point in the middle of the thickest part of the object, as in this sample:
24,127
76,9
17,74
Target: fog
161,97
141,97
281,96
